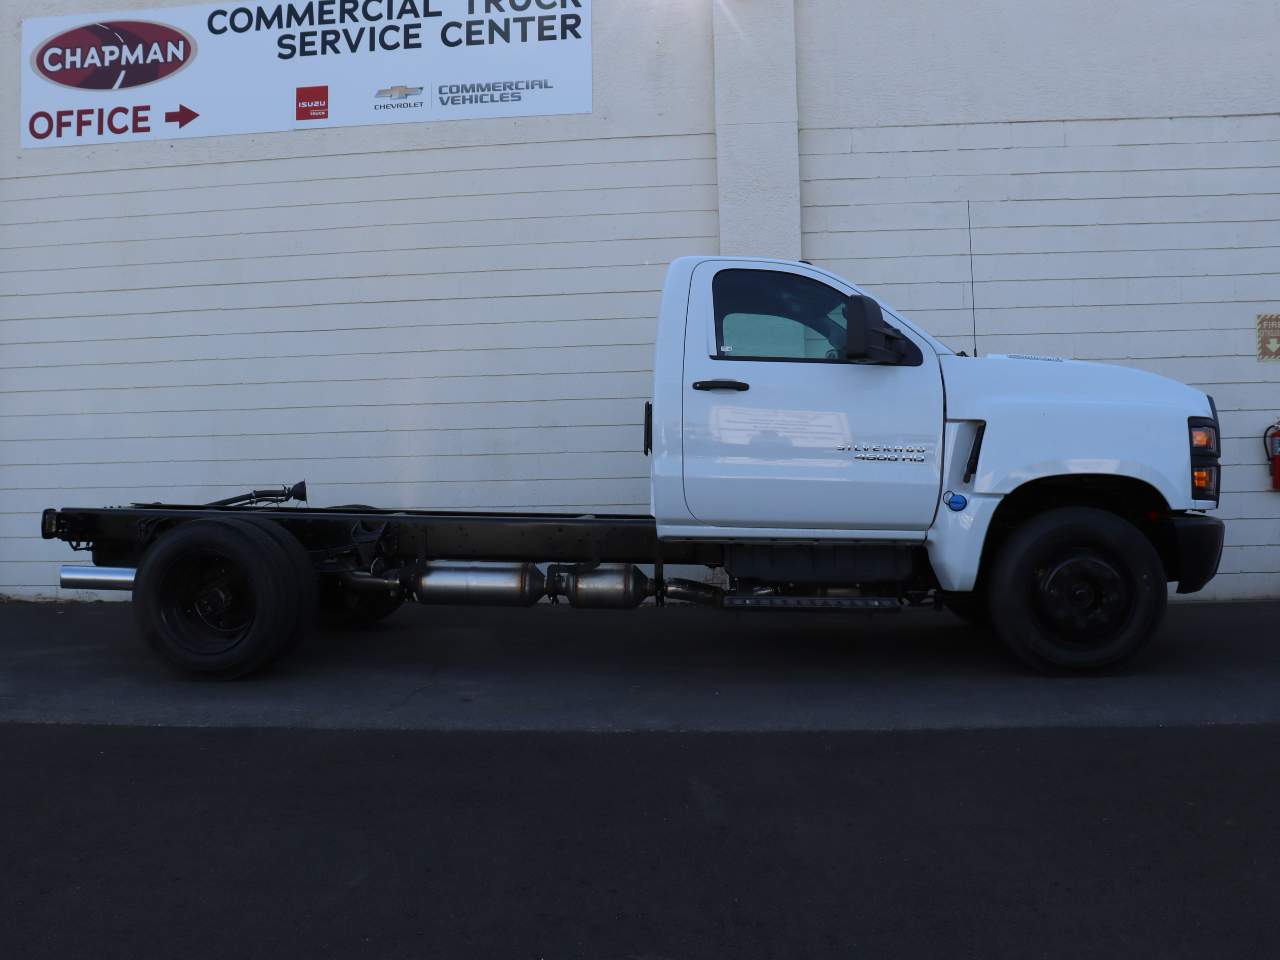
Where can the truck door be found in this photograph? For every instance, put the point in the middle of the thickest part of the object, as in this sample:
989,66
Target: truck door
780,430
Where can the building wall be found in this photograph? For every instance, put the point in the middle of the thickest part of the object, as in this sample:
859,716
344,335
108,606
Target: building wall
461,314
451,314
1018,180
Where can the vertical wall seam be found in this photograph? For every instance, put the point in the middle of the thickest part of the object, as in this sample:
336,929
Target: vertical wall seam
973,306
757,128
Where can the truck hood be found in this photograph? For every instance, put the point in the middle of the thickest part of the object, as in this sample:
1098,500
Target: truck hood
1047,417
976,384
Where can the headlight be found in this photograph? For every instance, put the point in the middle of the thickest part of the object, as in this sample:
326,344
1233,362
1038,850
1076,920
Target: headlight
1204,437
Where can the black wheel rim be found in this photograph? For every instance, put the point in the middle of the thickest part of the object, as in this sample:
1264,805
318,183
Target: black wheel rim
208,603
1084,597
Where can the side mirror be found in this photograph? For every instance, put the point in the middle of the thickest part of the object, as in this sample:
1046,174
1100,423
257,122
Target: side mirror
868,339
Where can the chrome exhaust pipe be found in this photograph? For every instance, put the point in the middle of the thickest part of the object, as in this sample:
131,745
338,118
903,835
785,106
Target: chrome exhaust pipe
74,576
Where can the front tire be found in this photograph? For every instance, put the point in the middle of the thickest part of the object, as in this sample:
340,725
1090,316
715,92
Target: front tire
1076,589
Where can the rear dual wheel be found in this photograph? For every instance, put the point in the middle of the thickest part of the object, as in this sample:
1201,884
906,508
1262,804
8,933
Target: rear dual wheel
1076,589
224,597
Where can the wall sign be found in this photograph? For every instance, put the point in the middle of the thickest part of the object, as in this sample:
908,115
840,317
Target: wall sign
239,67
1269,336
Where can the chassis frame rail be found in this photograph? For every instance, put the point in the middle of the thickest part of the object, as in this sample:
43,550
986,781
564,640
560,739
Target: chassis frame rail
118,536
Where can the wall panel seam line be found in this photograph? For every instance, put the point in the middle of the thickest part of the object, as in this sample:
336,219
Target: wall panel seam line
365,226
292,181
1016,174
293,330
1048,121
342,354
274,382
324,406
808,205
348,203
289,158
993,148
381,251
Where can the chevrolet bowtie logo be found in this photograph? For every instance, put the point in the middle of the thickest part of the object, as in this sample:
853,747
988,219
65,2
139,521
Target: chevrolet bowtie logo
399,93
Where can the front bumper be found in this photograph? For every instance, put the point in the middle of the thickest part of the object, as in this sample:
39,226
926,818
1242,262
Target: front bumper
1197,544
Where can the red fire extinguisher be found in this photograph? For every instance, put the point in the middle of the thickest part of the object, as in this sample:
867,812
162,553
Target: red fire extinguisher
1271,439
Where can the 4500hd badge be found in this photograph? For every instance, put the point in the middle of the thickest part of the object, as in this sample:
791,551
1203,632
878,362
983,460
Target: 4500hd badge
900,453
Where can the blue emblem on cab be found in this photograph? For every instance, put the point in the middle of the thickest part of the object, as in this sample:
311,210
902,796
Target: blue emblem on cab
956,501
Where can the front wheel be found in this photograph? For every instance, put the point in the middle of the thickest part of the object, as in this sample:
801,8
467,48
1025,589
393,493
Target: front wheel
1076,589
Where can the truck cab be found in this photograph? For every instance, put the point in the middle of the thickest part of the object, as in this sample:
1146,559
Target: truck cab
794,411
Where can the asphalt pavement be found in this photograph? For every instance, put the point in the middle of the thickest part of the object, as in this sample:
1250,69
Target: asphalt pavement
661,784
679,668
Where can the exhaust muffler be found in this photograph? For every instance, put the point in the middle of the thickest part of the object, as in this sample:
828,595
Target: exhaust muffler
606,586
615,586
474,584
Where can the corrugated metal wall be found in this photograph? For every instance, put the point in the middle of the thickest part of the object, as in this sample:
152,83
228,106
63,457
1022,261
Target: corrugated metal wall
451,315
1151,240
462,314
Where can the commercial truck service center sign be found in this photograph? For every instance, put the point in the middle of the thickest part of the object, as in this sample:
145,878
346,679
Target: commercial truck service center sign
229,68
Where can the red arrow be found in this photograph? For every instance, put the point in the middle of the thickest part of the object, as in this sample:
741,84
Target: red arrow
182,116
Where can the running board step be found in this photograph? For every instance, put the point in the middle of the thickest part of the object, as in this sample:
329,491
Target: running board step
884,604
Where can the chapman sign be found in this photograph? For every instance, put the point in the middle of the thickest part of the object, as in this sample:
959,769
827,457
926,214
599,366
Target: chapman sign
229,68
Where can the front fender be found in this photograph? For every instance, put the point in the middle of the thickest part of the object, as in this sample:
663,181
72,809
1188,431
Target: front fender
1023,443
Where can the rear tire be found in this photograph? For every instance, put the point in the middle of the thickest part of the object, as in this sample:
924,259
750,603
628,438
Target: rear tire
304,575
1076,589
216,597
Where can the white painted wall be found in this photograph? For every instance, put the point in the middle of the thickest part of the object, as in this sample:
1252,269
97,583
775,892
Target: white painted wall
1098,180
462,314
453,314
757,156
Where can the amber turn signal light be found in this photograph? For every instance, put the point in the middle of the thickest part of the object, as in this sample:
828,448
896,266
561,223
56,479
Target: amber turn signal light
1204,440
1204,483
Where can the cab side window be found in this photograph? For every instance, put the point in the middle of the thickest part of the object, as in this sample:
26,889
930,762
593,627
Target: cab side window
771,315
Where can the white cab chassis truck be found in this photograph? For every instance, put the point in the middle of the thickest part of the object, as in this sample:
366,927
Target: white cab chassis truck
814,445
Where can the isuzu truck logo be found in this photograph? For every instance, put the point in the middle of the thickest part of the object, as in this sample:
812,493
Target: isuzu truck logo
114,54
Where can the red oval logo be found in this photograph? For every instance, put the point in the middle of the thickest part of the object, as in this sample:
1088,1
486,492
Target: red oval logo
114,55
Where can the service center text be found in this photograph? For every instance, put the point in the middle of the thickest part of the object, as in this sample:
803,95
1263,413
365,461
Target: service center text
356,26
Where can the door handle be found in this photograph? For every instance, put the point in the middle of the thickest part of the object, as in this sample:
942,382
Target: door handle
721,385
